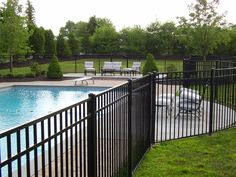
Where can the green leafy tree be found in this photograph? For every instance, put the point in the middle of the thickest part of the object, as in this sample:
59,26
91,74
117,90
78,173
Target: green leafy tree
167,37
13,34
103,22
74,44
50,45
54,69
150,65
153,38
37,40
204,25
105,40
133,40
62,46
231,47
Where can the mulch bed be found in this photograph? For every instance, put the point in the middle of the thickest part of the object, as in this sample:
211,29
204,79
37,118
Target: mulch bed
39,78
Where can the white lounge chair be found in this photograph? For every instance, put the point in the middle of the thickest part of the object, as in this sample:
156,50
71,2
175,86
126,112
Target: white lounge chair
136,67
116,66
88,68
107,67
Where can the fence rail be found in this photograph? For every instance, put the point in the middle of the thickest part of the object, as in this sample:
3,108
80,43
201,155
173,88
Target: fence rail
109,133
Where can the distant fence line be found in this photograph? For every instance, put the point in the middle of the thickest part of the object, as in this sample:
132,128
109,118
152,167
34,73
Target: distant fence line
21,62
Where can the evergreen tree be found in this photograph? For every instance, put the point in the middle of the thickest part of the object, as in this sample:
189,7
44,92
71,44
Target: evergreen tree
50,45
149,65
37,40
62,46
54,69
92,25
30,17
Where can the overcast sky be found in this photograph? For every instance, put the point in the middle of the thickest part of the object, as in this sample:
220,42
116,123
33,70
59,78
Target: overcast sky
53,14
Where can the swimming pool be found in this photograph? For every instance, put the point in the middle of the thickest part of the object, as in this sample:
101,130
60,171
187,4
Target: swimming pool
19,104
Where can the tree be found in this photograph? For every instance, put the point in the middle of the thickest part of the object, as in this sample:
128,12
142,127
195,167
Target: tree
62,46
92,25
54,69
167,37
74,44
149,65
30,17
13,34
232,42
205,26
105,40
153,41
133,40
37,40
50,45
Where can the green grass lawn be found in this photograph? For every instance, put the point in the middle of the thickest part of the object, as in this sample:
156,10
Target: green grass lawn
69,66
203,156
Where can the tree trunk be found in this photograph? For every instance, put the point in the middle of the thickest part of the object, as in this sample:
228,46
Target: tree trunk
11,63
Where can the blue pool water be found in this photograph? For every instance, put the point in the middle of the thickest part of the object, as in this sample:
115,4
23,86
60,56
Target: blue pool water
20,104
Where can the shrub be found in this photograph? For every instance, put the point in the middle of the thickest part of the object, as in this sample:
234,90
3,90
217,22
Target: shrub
171,68
30,75
43,73
149,65
10,75
54,69
20,76
35,68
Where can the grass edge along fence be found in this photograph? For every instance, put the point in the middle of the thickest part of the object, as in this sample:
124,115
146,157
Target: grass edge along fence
108,134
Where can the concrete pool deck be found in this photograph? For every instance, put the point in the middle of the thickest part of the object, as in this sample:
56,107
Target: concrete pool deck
99,81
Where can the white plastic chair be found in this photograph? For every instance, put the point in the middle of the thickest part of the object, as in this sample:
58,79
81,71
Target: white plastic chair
136,66
88,68
107,67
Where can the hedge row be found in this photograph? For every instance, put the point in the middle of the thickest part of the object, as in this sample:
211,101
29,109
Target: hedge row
20,76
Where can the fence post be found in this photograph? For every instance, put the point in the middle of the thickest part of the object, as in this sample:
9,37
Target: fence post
75,64
0,162
153,108
130,128
91,132
211,101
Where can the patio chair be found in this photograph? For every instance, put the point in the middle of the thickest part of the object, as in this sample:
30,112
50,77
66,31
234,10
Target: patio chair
88,68
107,67
133,70
190,102
116,66
165,100
136,67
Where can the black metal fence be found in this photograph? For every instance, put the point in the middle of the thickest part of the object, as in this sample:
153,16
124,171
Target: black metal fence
202,103
109,133
104,135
